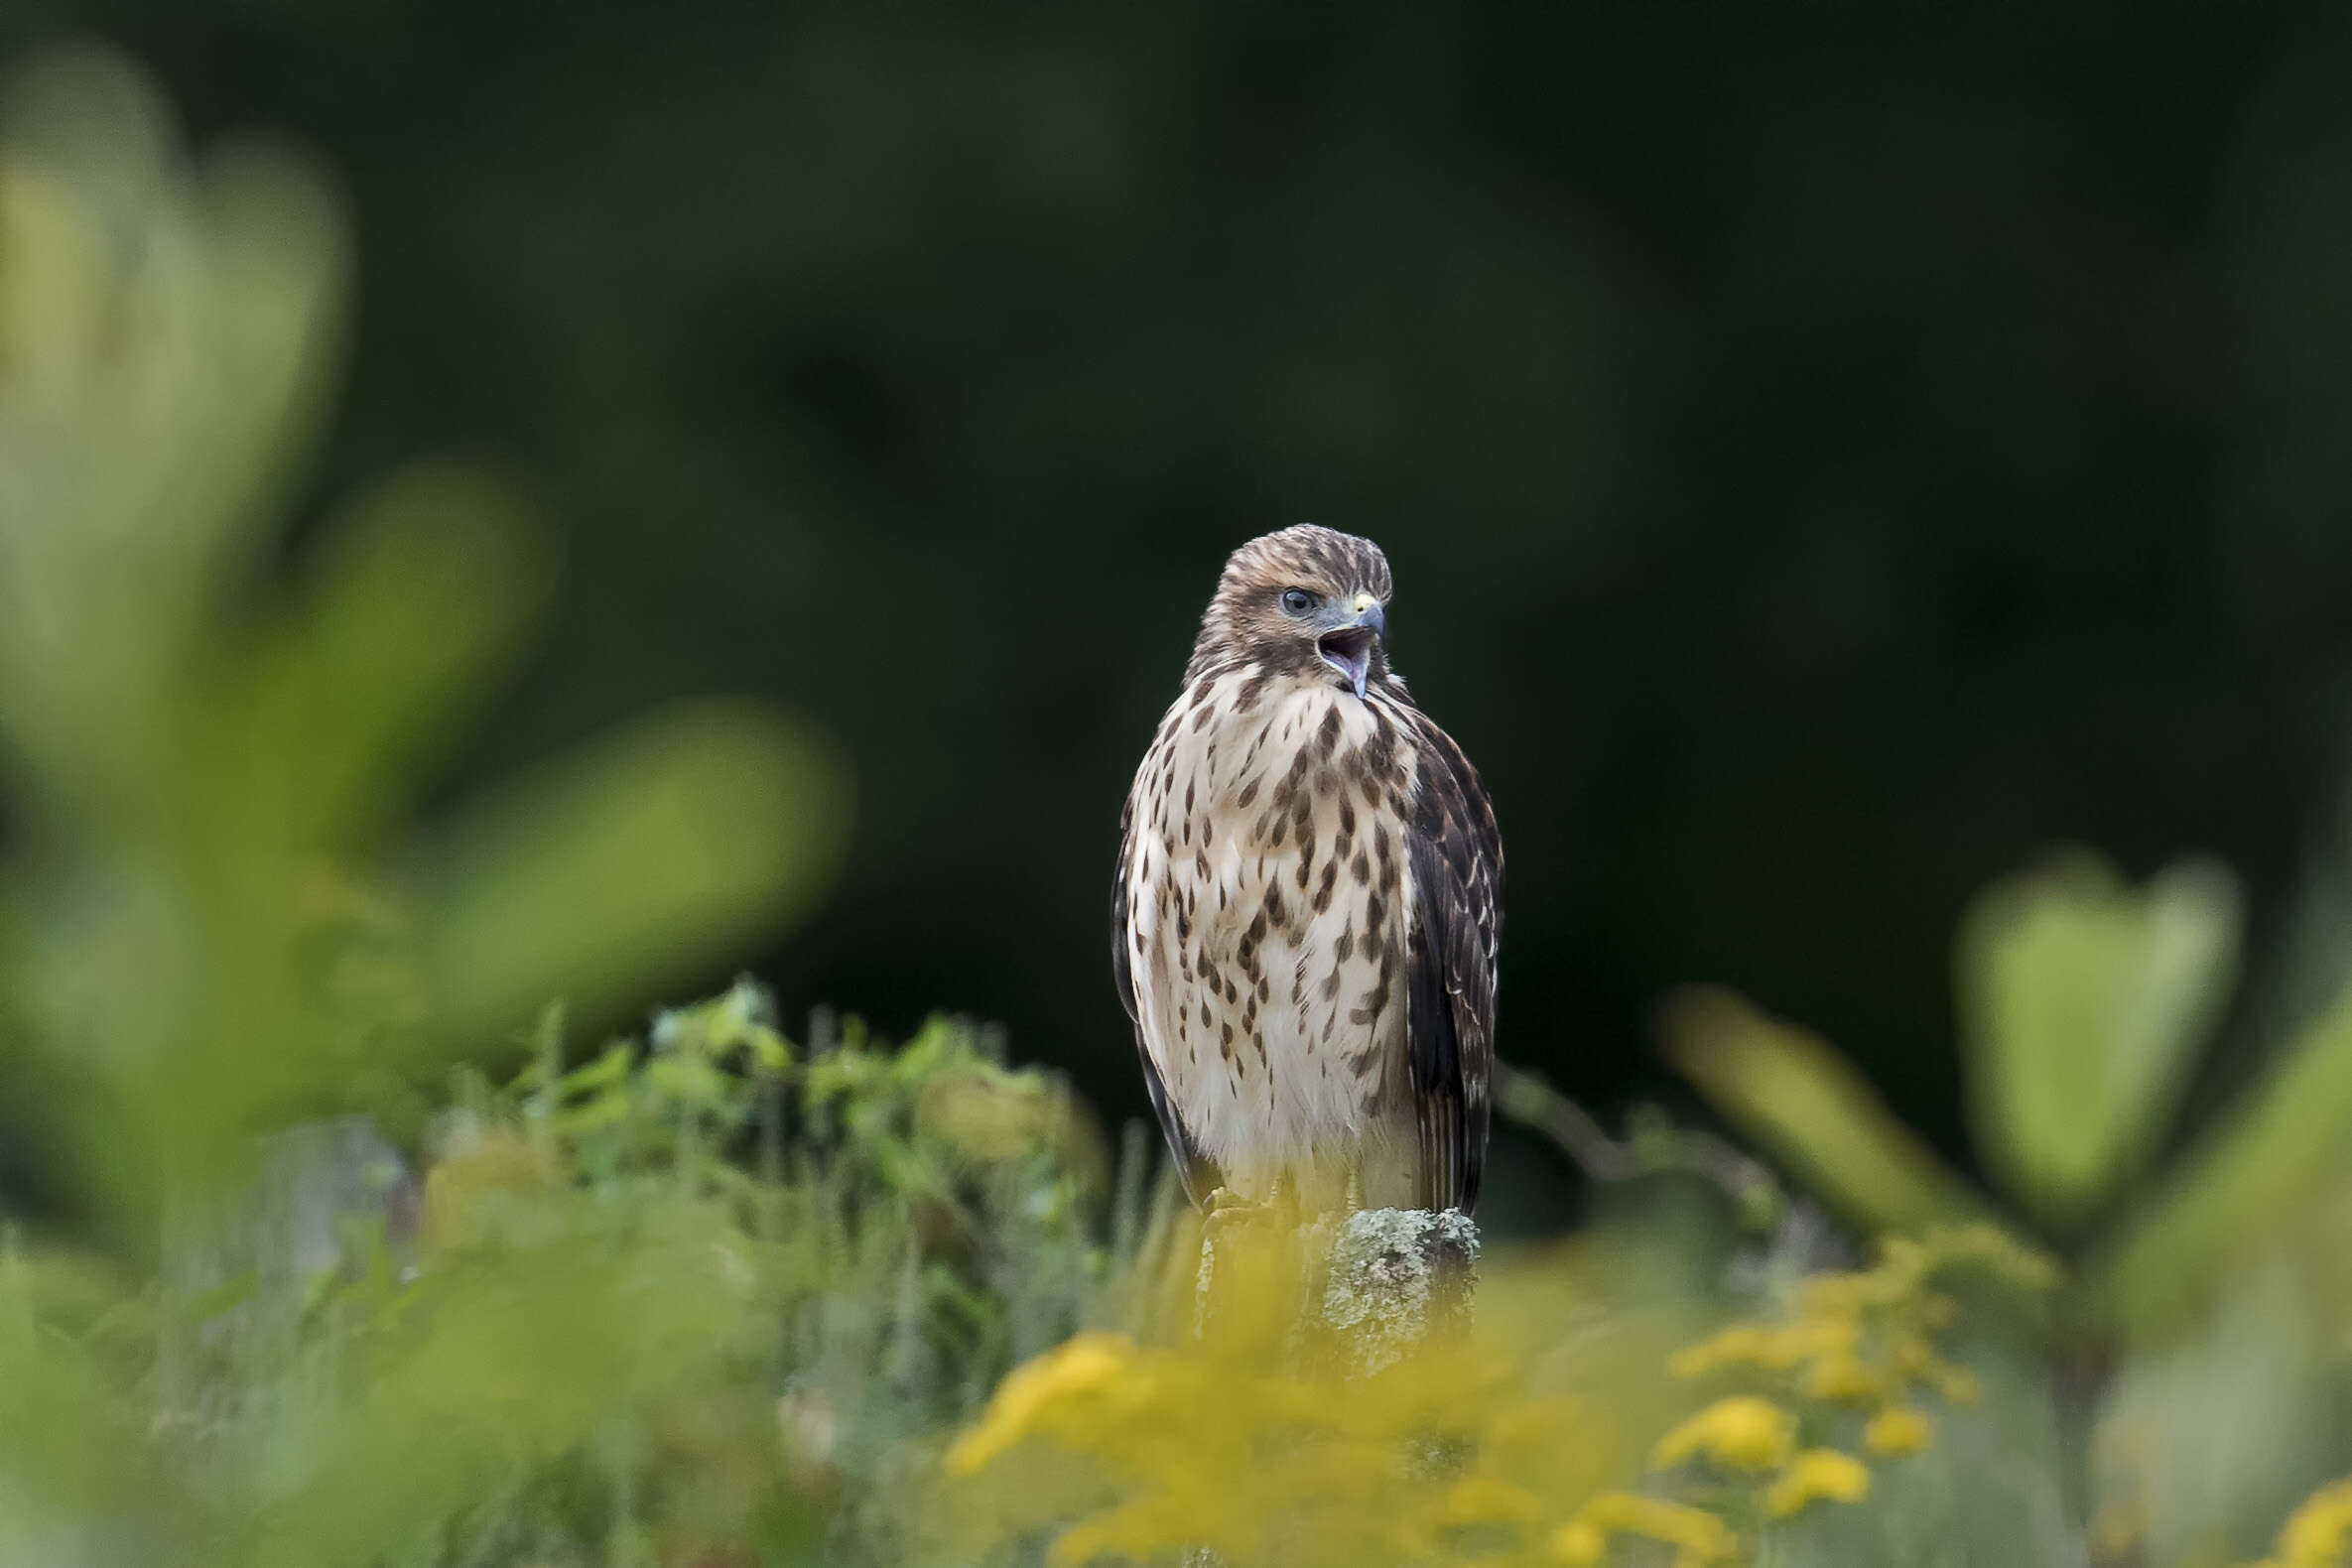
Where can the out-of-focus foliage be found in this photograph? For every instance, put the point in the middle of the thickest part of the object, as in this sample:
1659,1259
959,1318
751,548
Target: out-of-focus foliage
1552,1431
2085,1004
1814,1110
2200,1375
218,918
218,914
711,1296
870,1236
2086,999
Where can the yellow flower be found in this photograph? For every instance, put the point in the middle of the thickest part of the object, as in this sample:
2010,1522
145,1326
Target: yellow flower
1844,1377
1086,1364
2317,1533
1897,1429
1136,1529
1481,1499
1742,1344
1828,1334
1469,1503
1579,1545
1733,1343
1740,1433
1816,1475
1700,1535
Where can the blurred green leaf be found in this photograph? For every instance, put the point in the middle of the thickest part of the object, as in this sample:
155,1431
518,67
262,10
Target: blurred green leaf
506,1362
598,1073
65,1455
160,344
1788,1090
2238,1188
2082,1002
420,593
603,879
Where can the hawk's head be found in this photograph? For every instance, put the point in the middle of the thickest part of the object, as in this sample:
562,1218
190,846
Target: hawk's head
1308,602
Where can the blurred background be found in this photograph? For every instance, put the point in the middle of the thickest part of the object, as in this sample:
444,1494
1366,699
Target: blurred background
1824,459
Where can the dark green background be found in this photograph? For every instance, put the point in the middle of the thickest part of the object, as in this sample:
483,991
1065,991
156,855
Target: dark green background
1827,452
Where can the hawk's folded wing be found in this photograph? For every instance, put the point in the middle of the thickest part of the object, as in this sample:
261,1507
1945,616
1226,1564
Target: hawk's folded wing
1455,854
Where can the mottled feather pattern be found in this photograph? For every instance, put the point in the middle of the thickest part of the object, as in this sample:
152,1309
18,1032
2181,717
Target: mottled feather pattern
1458,869
1306,912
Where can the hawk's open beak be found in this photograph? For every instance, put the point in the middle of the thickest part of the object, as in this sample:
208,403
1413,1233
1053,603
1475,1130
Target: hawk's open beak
1348,647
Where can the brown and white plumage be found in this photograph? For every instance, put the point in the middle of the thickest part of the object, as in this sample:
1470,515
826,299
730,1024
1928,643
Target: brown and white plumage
1308,902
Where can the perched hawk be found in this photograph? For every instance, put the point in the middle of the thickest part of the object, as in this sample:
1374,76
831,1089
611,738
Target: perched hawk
1308,903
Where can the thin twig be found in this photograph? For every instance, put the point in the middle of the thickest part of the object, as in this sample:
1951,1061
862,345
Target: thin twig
1530,1099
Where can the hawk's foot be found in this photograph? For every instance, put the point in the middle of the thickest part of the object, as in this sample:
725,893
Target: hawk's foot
1227,1213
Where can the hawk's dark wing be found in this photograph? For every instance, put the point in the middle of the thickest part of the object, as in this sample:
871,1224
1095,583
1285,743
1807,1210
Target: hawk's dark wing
1195,1169
1456,856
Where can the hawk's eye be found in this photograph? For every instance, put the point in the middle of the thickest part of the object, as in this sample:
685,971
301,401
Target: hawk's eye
1297,602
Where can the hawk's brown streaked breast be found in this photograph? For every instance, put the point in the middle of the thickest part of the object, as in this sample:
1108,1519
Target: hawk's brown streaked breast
1306,910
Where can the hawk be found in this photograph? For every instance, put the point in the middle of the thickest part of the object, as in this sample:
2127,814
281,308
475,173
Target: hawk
1308,902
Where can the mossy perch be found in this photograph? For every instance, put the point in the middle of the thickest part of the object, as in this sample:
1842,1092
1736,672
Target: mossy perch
1395,1278
1368,1286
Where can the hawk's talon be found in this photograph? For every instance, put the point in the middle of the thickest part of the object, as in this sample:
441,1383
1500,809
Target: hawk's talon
1226,1210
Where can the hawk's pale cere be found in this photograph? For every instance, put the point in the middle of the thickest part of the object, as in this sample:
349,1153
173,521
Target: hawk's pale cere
1307,909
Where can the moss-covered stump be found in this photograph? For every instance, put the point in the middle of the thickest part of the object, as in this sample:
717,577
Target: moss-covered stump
1357,1291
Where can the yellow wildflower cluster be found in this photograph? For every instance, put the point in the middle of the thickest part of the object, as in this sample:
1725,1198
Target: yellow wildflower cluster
1746,1434
1203,1448
1818,1475
1868,1338
1864,1340
1237,1444
2317,1535
1699,1537
1740,1433
1090,1379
